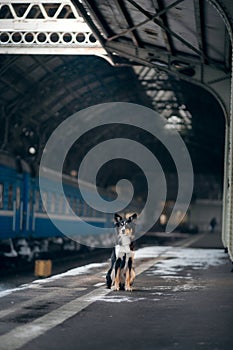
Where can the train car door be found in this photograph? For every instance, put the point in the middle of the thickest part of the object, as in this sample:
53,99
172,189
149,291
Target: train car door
26,219
18,209
30,209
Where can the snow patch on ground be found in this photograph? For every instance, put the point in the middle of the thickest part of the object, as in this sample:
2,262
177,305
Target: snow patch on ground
3,293
118,299
87,269
150,252
177,259
186,287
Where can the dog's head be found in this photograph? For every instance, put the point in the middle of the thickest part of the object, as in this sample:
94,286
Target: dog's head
124,225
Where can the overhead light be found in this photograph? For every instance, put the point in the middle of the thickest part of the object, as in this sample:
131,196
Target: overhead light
183,67
182,106
159,63
73,173
188,71
32,150
179,64
174,119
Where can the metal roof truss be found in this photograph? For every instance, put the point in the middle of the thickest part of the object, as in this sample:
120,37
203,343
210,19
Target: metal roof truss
45,27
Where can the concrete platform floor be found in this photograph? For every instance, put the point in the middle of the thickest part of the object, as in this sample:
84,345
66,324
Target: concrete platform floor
182,299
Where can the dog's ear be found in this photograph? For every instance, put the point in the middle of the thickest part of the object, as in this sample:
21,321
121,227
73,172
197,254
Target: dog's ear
132,217
117,218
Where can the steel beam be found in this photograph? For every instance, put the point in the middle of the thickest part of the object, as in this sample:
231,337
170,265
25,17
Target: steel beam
147,14
168,37
29,27
125,14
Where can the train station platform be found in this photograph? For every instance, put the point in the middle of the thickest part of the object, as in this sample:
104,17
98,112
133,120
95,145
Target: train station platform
182,299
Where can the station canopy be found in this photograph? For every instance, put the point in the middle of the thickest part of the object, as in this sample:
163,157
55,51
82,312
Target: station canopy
161,51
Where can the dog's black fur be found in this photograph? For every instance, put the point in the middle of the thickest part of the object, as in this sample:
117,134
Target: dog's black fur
108,275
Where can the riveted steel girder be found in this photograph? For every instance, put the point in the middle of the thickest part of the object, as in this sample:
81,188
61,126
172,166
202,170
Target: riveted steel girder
45,27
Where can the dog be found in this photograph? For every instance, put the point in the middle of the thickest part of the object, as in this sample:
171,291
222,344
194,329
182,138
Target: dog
121,274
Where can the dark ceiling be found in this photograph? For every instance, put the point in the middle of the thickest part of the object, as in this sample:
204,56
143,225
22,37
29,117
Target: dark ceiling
39,92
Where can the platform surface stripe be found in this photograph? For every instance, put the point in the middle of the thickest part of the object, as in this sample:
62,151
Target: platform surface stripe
31,302
192,240
21,335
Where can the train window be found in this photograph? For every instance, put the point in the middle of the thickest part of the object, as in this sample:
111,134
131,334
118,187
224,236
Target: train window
37,201
44,202
17,197
74,205
1,195
60,208
31,200
10,197
79,207
84,209
70,200
67,205
89,211
53,203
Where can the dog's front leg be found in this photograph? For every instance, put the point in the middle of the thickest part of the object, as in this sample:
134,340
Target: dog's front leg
130,274
127,281
117,274
132,277
117,280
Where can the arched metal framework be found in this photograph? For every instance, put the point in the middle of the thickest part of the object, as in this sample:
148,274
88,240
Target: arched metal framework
172,50
45,27
67,27
227,223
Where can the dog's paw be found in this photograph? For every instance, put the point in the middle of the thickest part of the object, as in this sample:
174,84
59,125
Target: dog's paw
129,289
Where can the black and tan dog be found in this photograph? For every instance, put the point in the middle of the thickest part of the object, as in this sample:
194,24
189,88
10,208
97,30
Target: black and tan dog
121,274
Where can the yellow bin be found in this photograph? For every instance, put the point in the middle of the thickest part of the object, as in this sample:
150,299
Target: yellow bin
43,268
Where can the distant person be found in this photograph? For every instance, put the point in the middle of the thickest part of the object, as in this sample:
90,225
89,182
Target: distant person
213,224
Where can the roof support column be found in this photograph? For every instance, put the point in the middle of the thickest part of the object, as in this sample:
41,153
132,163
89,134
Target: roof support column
227,214
227,233
223,92
226,194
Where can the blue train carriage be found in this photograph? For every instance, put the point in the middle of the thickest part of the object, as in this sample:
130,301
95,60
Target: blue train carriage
54,203
16,198
25,228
